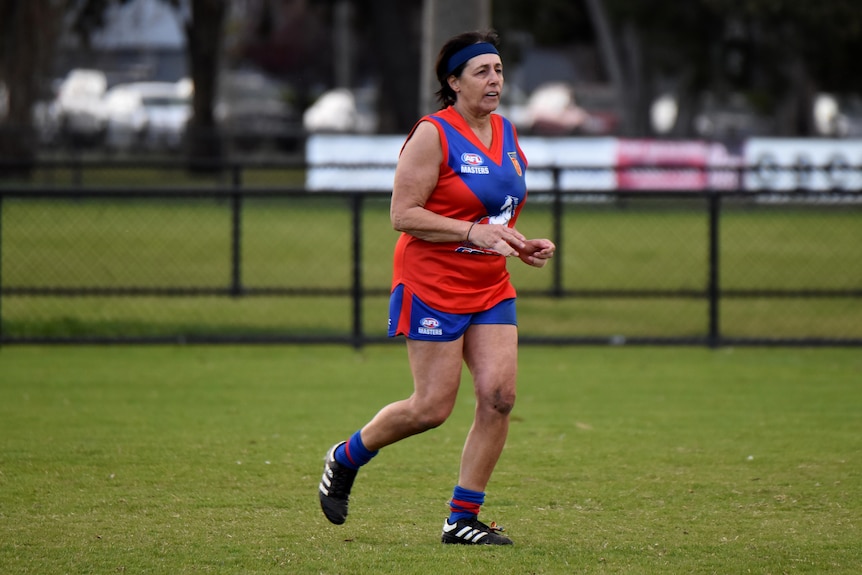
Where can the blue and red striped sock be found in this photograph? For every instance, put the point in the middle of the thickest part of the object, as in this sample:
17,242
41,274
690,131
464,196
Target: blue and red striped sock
465,504
354,454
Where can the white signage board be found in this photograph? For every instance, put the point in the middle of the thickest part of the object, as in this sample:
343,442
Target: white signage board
367,162
351,162
804,164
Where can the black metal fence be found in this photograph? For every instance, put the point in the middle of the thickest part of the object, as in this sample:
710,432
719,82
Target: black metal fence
231,260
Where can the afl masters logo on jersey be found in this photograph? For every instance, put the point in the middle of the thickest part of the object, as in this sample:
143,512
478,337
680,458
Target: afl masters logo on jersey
472,164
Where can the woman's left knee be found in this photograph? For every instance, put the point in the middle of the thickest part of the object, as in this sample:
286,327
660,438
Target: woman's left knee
500,400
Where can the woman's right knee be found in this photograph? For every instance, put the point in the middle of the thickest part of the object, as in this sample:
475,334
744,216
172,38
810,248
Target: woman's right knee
428,415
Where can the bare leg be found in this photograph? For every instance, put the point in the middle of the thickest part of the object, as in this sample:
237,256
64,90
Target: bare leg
436,368
491,353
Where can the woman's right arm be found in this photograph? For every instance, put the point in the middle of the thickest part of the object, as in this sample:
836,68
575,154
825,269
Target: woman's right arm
415,179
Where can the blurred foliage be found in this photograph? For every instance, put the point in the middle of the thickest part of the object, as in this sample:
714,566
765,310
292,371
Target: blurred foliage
556,22
769,35
776,52
773,55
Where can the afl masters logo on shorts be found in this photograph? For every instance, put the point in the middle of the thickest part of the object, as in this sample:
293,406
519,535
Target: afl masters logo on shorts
430,326
472,164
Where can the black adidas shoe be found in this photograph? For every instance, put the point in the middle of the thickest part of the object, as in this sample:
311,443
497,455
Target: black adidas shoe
473,532
335,487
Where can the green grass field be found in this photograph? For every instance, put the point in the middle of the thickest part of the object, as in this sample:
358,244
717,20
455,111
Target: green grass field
192,459
305,242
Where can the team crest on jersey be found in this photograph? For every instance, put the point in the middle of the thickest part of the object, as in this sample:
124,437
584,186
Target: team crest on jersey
507,212
471,163
514,157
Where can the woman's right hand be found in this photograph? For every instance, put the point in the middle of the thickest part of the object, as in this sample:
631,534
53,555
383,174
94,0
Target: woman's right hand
498,237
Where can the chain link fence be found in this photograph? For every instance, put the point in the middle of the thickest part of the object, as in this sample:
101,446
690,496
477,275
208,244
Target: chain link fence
234,258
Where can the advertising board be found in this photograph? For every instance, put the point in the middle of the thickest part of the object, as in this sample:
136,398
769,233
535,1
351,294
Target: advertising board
803,164
367,162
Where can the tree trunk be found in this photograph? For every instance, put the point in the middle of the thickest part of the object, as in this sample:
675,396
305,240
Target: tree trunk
27,32
204,33
438,25
396,23
610,59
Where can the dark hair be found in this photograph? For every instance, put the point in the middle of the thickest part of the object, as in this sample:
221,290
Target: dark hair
446,95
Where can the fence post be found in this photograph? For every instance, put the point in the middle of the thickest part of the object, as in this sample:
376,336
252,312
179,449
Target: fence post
714,337
77,170
557,262
1,270
356,288
236,232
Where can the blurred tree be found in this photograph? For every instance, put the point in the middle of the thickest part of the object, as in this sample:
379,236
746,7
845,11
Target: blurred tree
578,30
204,28
28,29
203,24
391,30
88,16
778,53
292,40
550,22
297,39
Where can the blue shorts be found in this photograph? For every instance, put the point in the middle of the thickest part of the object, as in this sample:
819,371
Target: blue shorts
413,318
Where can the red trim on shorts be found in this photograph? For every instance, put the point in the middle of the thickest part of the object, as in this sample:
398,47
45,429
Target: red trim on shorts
404,314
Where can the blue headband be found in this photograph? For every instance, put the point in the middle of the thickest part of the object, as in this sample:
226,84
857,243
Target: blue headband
464,54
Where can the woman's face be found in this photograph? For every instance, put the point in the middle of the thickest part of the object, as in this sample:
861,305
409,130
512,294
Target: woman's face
480,85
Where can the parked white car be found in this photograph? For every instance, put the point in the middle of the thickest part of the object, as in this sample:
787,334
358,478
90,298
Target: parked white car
151,115
838,115
342,110
78,108
253,111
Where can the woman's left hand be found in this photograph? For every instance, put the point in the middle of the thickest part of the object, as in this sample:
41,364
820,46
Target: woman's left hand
537,252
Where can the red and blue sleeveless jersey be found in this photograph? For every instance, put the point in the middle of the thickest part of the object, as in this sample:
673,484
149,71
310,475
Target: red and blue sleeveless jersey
475,184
